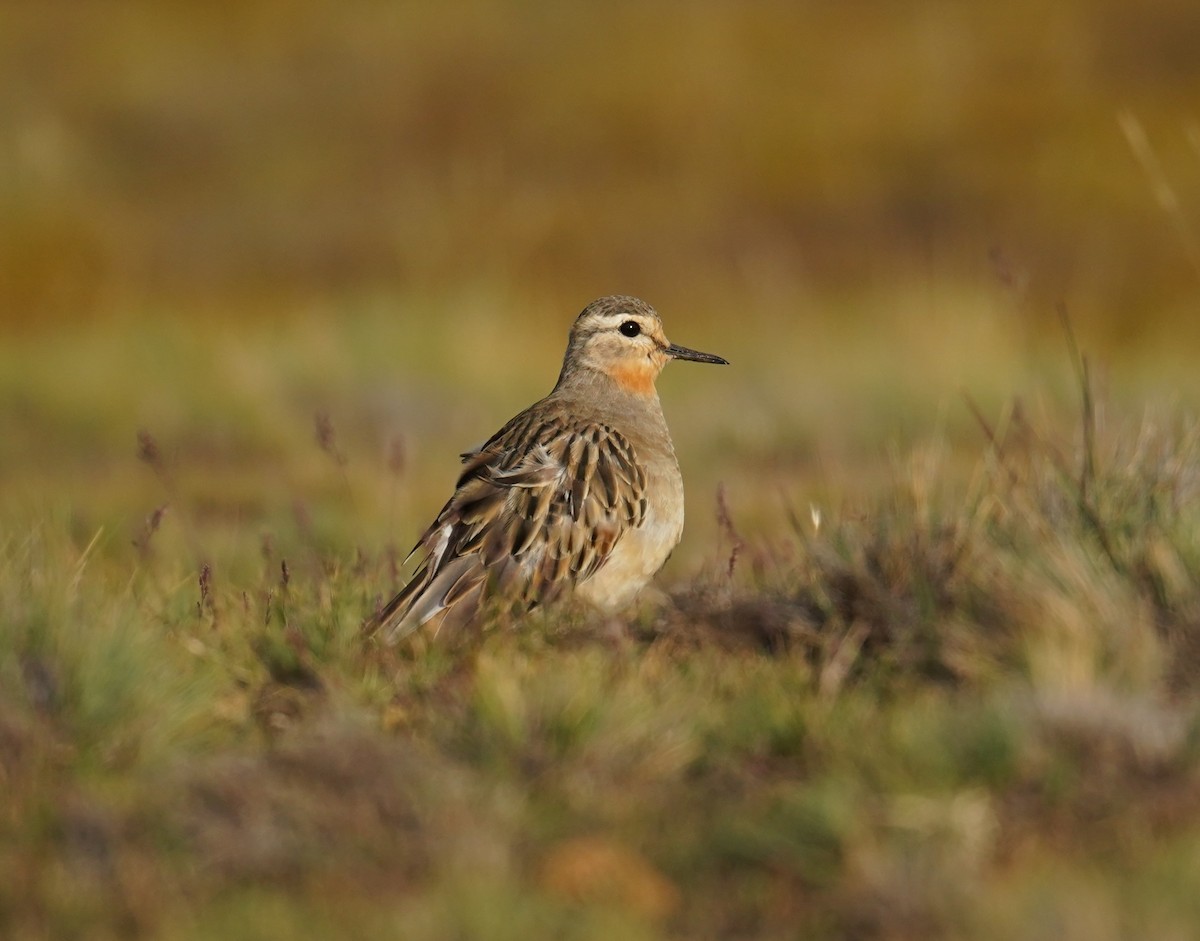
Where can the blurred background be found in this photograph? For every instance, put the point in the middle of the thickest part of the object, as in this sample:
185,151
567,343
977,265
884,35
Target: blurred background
219,220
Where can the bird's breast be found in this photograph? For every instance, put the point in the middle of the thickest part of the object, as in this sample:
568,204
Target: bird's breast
642,551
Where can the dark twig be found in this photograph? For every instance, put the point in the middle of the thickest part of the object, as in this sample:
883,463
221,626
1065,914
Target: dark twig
990,433
725,521
206,599
1087,470
142,540
326,436
150,454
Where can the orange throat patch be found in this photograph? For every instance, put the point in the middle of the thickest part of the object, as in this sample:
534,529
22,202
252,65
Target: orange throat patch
637,378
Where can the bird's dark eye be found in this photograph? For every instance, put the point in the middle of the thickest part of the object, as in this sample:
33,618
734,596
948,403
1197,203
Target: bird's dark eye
631,328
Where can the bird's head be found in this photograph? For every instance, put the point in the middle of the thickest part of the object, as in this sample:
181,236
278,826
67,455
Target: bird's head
623,338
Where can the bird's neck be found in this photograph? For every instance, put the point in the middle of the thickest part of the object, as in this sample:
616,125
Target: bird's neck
636,378
631,384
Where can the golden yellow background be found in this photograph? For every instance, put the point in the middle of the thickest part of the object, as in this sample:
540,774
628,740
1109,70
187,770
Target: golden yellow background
220,218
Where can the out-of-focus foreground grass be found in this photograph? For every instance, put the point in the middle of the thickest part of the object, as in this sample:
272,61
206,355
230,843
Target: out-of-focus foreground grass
928,665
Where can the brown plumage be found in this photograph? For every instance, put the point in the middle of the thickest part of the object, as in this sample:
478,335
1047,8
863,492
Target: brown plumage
581,491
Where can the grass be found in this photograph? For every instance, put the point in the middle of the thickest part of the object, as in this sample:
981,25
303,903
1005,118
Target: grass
926,662
959,702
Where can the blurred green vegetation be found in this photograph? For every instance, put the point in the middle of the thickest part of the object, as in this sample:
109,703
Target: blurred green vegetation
928,665
935,712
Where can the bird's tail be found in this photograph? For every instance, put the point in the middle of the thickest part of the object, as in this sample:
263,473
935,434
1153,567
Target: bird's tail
449,596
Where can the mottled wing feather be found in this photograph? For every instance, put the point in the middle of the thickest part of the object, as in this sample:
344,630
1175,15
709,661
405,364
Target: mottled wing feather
537,509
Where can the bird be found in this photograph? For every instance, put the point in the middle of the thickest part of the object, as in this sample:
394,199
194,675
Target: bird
580,493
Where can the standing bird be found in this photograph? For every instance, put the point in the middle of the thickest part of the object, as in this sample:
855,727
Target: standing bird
580,491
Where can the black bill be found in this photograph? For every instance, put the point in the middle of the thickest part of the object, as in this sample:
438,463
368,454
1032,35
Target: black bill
682,352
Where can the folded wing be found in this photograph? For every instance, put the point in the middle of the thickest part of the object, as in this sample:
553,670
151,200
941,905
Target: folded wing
537,510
